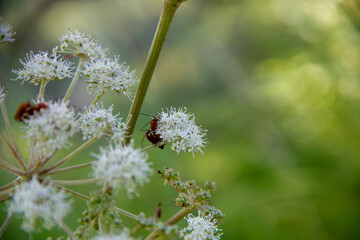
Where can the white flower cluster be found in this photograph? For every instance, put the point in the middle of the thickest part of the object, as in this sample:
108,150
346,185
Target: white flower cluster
122,167
80,44
6,33
201,228
51,128
98,121
124,235
43,66
178,128
2,94
107,74
35,200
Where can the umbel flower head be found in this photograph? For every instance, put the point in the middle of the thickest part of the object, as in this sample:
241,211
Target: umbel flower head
51,128
6,33
202,227
80,44
178,128
43,66
98,121
39,201
107,74
122,167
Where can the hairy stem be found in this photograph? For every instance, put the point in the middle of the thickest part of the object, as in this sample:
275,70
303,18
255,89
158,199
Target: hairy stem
73,82
164,23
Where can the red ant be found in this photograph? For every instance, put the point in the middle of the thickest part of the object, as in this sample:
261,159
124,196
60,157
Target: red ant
151,135
26,110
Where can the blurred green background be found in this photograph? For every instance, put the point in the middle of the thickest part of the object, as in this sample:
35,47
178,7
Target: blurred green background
276,83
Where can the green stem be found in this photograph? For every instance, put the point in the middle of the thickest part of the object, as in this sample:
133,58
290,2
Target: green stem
86,198
126,213
73,82
11,168
67,230
76,151
79,166
42,89
164,23
11,184
174,219
74,182
6,222
97,98
12,139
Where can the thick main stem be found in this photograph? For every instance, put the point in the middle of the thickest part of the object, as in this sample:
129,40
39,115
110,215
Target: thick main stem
164,23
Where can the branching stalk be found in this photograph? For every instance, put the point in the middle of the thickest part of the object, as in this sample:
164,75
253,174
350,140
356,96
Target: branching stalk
11,168
12,139
74,182
68,157
79,166
174,219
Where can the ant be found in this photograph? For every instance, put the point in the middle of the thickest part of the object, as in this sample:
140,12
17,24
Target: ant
151,135
26,110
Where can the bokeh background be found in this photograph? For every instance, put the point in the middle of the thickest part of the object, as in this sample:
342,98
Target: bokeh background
276,83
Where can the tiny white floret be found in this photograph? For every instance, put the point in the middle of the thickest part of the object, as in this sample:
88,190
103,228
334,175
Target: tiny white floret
80,44
51,128
178,128
122,167
39,201
43,66
98,122
6,33
202,227
108,74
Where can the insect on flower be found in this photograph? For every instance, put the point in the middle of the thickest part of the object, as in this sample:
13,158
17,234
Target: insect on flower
26,110
151,135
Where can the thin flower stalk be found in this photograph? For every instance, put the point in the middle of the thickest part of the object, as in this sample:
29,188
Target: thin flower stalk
42,89
11,168
4,225
171,221
74,81
75,182
67,169
12,138
68,157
